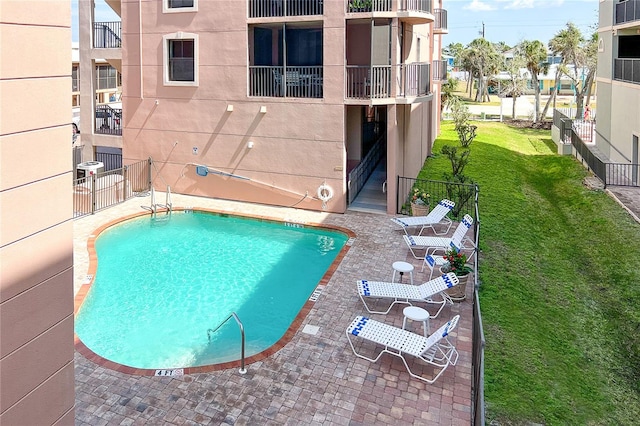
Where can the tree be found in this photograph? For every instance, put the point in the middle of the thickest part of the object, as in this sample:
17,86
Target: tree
516,85
454,49
565,43
447,96
534,55
482,60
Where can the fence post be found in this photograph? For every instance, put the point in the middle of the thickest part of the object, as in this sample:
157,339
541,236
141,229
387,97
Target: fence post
93,193
125,170
150,165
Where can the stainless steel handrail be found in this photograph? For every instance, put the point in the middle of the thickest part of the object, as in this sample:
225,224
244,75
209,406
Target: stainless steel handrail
243,370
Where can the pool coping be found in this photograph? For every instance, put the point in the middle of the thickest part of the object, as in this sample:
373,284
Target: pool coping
282,342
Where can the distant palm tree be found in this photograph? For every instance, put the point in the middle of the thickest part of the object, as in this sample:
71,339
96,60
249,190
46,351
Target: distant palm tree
534,55
565,43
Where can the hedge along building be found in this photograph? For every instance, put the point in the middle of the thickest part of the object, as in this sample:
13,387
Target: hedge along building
277,101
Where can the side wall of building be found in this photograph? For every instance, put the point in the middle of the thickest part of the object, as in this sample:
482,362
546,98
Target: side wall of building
36,232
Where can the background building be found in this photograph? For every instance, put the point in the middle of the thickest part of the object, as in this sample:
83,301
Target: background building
268,101
618,77
36,231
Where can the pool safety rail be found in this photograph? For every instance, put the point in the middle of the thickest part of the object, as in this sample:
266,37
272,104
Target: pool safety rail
210,331
167,206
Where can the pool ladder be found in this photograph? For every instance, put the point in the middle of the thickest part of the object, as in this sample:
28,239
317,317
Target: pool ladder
168,206
243,370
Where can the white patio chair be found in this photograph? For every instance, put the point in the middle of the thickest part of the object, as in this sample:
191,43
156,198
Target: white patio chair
407,294
437,216
435,350
459,240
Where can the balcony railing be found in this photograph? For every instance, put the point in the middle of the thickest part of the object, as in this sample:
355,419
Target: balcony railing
439,70
374,82
627,70
441,19
273,8
107,35
627,11
290,81
355,6
424,6
368,82
108,120
414,80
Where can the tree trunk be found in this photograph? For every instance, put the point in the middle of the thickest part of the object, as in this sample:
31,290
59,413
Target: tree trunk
536,104
552,98
589,83
513,112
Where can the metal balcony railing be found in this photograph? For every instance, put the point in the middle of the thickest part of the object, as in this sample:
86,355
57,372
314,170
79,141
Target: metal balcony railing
441,19
107,35
627,11
108,120
424,6
414,80
273,8
290,81
627,70
368,82
355,6
439,70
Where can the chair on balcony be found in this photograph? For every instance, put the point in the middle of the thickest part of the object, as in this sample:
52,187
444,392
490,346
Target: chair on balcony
294,83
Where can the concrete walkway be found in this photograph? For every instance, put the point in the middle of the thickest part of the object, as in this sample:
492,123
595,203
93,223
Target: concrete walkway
314,379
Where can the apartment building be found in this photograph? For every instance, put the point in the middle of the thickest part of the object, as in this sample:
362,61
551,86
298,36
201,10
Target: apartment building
282,102
618,77
36,230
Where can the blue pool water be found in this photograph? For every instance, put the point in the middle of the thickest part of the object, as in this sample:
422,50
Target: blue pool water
162,284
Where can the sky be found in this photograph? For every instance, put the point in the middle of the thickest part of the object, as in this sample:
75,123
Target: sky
510,21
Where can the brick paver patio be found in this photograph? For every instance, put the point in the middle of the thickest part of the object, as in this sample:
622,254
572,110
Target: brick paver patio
314,379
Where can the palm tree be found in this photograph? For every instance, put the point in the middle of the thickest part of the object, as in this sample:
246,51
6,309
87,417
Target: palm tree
447,95
534,55
565,43
517,84
483,61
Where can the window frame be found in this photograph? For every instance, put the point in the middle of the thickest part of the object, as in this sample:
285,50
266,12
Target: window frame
167,9
165,58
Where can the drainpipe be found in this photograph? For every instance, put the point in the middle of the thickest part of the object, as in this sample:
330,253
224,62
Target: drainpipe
140,47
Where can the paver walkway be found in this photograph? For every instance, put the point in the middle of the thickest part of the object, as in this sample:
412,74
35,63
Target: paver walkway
314,379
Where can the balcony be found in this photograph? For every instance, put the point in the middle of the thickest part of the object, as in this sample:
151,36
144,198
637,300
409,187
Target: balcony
108,121
278,8
289,82
107,35
627,11
417,11
440,23
369,82
439,70
627,70
368,6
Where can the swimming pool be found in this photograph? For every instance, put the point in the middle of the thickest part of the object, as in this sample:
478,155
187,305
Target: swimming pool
162,284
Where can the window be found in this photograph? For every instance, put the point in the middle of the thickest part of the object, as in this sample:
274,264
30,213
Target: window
180,53
173,6
74,79
106,77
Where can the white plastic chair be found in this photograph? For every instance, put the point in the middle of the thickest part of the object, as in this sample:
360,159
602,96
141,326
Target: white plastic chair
432,244
435,350
437,216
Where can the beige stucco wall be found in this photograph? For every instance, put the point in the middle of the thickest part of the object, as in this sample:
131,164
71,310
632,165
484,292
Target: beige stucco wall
298,144
36,263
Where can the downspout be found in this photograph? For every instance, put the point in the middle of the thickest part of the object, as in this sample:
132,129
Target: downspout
140,47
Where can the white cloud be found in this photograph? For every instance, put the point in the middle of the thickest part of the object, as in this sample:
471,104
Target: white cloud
529,4
520,4
477,5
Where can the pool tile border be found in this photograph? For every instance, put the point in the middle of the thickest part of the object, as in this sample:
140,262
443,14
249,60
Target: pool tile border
284,340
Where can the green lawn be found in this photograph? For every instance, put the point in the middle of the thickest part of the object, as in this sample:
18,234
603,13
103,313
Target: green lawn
559,291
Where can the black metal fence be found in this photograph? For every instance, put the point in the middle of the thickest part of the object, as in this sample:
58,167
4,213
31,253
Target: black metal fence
626,70
464,195
108,120
627,11
110,160
105,189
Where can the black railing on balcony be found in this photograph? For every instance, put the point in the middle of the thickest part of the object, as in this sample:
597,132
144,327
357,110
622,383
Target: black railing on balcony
107,35
273,8
440,22
108,120
414,79
290,81
424,6
439,70
368,82
627,11
627,70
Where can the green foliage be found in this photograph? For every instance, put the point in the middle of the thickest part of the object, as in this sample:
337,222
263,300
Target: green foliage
560,324
456,262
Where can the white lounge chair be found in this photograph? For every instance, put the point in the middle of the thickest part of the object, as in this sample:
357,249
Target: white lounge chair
407,294
432,244
435,350
437,216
